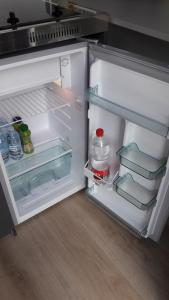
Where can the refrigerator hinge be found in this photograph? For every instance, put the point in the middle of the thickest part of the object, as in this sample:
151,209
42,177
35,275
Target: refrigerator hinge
91,41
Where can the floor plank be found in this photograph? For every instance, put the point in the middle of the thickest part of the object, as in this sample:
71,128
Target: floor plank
74,251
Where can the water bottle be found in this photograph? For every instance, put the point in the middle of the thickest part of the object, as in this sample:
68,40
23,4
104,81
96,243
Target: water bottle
14,142
4,127
100,155
4,150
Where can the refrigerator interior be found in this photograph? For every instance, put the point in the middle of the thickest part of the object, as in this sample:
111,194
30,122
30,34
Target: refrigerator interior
55,114
133,190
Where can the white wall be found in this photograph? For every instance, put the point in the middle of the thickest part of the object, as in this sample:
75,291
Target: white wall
147,16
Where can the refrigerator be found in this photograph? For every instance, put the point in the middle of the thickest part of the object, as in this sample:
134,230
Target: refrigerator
64,94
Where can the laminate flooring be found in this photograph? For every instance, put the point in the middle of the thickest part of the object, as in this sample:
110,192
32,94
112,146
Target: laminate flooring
74,251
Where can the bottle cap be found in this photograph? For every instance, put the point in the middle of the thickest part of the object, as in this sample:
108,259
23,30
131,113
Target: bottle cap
24,127
17,119
99,132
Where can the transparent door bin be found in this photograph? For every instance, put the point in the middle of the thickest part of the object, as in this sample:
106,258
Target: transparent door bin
140,162
135,193
97,179
41,180
42,154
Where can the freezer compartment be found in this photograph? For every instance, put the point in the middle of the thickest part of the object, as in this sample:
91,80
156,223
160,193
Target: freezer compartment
134,192
134,159
31,190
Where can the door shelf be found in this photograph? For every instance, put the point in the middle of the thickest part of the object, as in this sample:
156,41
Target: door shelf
135,193
97,179
30,103
128,114
42,155
141,163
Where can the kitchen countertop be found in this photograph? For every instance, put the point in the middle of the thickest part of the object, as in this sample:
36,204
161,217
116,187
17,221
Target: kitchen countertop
150,17
137,44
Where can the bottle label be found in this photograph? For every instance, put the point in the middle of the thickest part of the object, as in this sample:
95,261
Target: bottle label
100,173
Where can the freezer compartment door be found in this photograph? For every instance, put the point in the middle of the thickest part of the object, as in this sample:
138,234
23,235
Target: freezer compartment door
129,100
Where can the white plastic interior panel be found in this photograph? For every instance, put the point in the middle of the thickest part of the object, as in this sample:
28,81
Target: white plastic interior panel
135,91
114,128
56,115
118,206
146,96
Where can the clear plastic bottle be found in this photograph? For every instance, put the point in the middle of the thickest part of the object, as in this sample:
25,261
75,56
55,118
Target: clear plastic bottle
14,142
4,127
4,150
100,155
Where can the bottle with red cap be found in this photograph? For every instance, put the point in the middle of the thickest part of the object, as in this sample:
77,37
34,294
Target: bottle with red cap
100,155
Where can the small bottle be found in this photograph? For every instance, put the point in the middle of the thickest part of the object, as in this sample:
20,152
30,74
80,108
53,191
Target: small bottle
14,142
100,155
4,126
25,135
18,122
4,149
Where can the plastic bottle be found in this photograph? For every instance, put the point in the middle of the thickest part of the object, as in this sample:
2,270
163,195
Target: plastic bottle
14,142
18,122
25,134
4,127
100,155
4,150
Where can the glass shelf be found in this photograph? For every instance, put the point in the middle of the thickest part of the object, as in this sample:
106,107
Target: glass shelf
41,180
141,163
42,155
135,193
32,102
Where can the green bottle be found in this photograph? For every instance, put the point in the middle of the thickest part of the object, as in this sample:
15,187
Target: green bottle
25,135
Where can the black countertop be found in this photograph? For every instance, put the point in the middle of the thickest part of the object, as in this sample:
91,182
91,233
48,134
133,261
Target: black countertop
136,43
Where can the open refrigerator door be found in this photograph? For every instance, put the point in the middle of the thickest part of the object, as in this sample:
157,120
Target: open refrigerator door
129,100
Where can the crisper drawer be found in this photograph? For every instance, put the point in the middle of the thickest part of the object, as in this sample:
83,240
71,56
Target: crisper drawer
31,190
134,85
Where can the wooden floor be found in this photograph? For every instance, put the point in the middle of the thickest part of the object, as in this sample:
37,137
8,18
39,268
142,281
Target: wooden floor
75,251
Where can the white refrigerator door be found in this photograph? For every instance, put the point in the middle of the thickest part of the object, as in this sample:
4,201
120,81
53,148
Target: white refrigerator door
132,95
48,90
